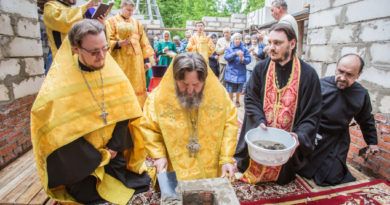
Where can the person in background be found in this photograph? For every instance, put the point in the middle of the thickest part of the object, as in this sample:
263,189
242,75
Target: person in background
176,40
262,53
213,60
184,41
220,48
279,12
166,49
130,47
253,51
179,126
200,43
284,92
59,16
342,99
247,41
237,57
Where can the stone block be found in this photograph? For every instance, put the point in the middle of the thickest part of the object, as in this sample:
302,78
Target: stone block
153,26
330,69
337,3
190,23
28,28
215,24
4,93
380,54
34,66
24,8
24,47
317,67
10,66
384,106
321,53
236,20
376,76
343,34
360,51
377,30
209,18
146,23
5,25
239,16
368,9
239,26
226,25
317,36
317,5
28,86
138,17
223,19
325,18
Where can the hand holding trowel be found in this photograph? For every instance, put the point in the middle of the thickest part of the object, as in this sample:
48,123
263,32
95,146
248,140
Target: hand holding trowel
166,180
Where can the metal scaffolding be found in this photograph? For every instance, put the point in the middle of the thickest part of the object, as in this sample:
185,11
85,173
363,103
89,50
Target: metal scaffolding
149,8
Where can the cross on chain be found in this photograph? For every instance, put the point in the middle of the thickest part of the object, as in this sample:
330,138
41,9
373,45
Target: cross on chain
104,116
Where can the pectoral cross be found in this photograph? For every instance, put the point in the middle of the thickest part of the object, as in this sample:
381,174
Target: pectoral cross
104,116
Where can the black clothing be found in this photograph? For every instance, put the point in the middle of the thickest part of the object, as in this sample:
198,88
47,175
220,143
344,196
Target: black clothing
306,116
327,164
72,164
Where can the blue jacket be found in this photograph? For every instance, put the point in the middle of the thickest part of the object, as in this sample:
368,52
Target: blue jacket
236,70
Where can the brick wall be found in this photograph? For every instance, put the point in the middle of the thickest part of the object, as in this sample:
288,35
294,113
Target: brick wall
15,129
21,75
379,165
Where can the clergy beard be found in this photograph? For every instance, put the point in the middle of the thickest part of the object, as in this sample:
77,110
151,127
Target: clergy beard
285,55
345,84
189,103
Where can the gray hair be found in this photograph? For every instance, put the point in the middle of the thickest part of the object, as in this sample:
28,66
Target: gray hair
169,33
176,37
226,29
235,35
188,62
127,2
83,28
281,3
247,37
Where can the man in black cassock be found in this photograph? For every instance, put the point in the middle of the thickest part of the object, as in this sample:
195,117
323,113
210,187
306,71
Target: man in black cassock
303,122
342,100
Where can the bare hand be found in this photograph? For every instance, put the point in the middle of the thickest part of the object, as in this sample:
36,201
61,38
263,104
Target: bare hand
216,57
239,53
373,149
147,66
228,167
124,42
101,19
165,49
93,3
113,153
262,125
161,164
297,139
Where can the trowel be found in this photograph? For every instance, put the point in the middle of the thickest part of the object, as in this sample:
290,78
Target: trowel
168,183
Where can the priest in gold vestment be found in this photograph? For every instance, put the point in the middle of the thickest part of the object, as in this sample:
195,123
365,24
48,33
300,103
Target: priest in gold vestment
59,17
130,47
201,43
83,124
189,123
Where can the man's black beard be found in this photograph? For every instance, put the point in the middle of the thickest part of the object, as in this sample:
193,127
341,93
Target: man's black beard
285,56
189,103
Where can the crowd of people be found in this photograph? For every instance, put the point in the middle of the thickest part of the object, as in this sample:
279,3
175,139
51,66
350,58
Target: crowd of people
93,123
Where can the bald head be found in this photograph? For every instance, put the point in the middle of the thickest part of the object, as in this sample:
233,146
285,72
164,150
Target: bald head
349,68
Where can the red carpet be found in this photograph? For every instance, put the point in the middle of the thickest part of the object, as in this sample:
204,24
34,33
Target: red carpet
374,192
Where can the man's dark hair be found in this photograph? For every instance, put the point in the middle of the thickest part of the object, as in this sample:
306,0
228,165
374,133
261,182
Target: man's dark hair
288,30
200,22
281,3
83,28
353,54
188,62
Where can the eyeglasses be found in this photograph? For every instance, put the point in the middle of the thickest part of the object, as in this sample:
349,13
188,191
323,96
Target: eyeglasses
97,52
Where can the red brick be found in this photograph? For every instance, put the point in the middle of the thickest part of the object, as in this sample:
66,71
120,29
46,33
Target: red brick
384,128
380,118
359,160
12,106
10,156
385,137
384,145
3,142
18,150
15,136
356,133
4,151
385,173
21,125
5,133
371,165
354,149
353,139
27,100
350,155
22,140
361,143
